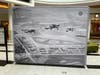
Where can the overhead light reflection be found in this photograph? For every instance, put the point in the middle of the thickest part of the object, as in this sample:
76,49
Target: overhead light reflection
96,15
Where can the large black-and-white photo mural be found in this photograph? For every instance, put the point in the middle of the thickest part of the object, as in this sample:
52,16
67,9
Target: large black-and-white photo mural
50,35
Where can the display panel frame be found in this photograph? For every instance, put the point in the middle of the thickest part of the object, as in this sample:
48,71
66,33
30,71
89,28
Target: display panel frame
21,38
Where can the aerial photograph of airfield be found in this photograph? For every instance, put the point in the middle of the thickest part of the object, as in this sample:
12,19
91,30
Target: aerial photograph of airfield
51,36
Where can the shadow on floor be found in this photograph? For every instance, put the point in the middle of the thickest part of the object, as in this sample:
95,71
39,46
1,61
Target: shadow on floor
3,62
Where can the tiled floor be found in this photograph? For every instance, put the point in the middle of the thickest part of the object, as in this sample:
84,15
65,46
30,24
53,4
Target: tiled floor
12,69
15,69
